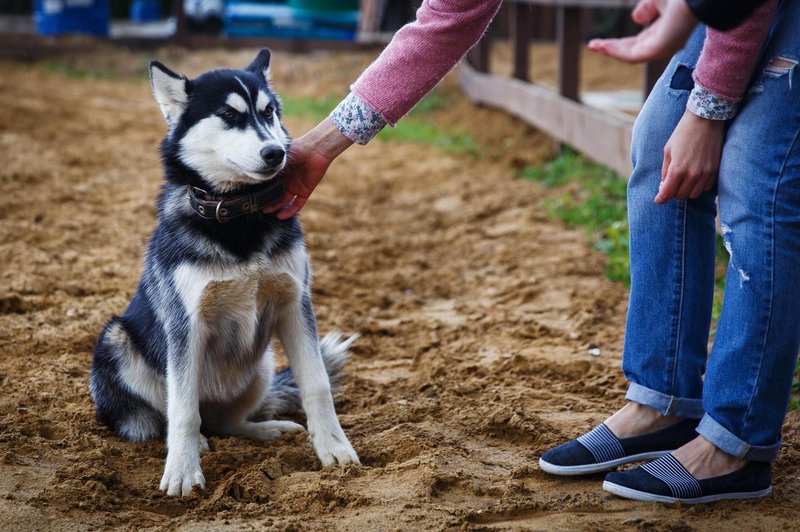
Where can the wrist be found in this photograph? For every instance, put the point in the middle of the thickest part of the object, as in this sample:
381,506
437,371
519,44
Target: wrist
326,140
702,122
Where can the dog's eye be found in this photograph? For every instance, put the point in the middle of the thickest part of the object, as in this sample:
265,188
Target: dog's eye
268,111
228,114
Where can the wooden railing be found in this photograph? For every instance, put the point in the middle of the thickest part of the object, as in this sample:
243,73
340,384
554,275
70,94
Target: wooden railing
603,135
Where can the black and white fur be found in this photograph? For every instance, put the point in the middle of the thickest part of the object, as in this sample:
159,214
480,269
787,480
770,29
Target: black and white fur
192,350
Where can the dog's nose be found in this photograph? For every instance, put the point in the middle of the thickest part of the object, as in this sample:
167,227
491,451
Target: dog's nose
272,155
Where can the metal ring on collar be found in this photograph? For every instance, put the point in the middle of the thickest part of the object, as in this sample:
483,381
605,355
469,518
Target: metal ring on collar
217,212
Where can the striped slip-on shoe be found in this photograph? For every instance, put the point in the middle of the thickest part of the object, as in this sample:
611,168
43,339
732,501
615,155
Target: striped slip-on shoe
599,450
666,480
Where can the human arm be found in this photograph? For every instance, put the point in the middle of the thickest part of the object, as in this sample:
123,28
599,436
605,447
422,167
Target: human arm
419,56
725,67
421,53
669,24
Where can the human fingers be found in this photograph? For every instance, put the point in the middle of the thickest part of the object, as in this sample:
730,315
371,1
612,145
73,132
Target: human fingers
707,183
621,49
687,184
281,203
645,12
666,162
668,187
293,208
671,23
697,188
616,48
637,49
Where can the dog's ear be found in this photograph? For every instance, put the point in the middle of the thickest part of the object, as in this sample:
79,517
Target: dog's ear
260,64
170,91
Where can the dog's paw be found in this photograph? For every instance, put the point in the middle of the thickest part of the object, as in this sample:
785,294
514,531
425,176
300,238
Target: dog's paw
270,430
180,474
332,447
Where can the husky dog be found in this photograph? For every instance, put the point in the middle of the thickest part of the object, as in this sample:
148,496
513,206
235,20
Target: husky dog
191,352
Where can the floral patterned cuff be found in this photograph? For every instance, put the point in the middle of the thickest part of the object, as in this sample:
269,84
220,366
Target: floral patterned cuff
356,120
706,104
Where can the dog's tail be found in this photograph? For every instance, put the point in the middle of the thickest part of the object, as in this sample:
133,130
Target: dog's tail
284,396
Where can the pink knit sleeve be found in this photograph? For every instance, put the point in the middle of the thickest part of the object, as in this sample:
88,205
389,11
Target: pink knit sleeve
729,57
422,53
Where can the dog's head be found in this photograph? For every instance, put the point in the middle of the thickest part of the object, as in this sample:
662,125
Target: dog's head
225,125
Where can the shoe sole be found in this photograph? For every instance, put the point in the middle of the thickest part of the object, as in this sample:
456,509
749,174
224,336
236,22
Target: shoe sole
588,469
628,493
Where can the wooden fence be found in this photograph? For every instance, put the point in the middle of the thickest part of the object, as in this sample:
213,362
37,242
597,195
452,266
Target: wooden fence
603,135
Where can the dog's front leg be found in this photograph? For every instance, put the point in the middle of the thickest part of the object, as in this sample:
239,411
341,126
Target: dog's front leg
182,469
297,331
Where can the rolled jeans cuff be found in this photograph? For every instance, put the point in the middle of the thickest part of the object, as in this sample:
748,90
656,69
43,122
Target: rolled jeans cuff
731,444
667,405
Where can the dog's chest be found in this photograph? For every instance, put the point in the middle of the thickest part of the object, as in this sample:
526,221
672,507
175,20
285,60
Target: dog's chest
234,309
243,296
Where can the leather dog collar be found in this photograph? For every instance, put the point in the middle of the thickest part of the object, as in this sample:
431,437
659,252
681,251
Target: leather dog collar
223,207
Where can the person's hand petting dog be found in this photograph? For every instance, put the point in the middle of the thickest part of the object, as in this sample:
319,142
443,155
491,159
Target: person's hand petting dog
670,24
309,158
691,158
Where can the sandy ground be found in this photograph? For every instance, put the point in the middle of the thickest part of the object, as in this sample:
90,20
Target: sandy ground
476,315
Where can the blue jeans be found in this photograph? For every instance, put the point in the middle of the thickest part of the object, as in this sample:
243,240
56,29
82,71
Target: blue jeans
743,398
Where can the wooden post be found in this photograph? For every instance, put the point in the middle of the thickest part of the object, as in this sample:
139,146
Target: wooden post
521,37
369,16
653,71
568,29
180,21
478,57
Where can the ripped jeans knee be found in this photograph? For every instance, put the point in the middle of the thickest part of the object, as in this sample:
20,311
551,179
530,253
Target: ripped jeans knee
779,67
727,237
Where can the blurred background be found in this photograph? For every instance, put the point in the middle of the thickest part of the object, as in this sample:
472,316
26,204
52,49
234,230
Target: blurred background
339,19
480,248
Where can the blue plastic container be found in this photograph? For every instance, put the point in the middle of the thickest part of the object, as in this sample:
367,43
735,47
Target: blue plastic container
145,11
325,5
251,19
54,17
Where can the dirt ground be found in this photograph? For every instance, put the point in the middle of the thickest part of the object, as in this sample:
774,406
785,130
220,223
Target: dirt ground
476,314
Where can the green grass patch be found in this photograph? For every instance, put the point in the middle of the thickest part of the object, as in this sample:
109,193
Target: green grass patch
595,202
419,132
75,73
415,128
720,268
432,102
314,108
